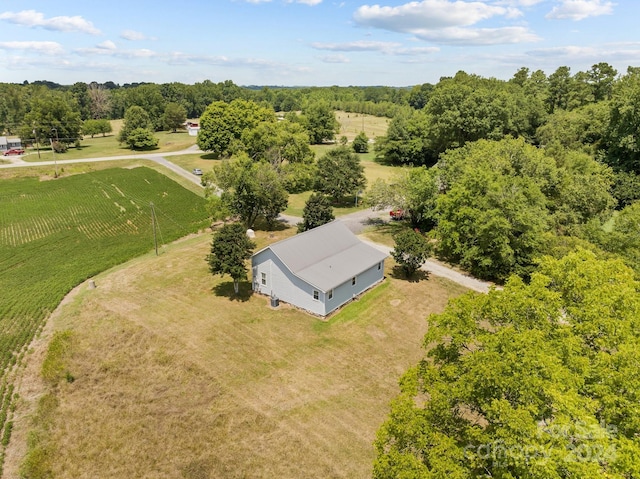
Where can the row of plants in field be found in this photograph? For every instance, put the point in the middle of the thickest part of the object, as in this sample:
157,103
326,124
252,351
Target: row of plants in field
56,234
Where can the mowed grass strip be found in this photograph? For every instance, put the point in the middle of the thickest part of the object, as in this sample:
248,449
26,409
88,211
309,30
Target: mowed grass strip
55,234
175,378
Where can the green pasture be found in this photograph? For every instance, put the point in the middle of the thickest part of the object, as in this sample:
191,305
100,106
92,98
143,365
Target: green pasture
100,146
55,234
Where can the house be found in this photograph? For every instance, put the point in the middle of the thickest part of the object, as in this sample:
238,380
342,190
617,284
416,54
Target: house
9,143
318,270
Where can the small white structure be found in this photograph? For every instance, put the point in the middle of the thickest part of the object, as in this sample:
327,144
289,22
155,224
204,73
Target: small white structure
318,270
193,128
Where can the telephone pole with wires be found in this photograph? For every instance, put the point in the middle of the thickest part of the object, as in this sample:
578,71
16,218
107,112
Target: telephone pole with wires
154,222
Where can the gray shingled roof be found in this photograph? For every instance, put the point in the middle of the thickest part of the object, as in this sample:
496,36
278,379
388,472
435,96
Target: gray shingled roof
326,256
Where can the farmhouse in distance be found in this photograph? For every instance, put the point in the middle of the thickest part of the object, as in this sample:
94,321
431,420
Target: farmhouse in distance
318,270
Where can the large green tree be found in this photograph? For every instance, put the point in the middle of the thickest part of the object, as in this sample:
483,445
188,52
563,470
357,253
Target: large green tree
222,125
317,211
339,173
411,251
230,249
320,121
52,115
538,380
250,190
494,214
135,118
174,116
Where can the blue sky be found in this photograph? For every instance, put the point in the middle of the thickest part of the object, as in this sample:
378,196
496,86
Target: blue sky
309,42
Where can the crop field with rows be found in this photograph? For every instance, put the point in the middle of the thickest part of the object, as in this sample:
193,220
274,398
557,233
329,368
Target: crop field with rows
56,234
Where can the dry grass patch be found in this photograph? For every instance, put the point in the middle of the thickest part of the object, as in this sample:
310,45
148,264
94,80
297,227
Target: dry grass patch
174,380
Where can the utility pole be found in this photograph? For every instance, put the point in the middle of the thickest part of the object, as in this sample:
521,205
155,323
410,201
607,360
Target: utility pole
53,152
153,222
35,132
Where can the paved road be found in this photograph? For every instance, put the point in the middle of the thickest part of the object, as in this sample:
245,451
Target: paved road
356,221
359,220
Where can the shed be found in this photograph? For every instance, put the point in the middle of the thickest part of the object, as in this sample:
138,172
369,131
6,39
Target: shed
318,270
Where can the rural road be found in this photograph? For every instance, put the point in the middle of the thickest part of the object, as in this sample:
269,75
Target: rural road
356,221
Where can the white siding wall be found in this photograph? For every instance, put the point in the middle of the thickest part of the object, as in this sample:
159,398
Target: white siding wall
346,291
283,284
287,287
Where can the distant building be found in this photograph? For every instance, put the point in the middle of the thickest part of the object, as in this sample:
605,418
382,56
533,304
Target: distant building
318,270
193,128
9,143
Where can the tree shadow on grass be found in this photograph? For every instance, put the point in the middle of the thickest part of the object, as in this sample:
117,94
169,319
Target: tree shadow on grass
277,225
210,156
225,289
399,273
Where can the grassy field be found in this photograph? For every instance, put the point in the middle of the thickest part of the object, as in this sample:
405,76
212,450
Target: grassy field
55,234
175,378
100,146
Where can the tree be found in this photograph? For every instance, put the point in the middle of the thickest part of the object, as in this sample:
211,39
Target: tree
623,135
317,212
174,116
412,190
222,125
494,215
361,143
141,139
230,248
135,117
537,380
250,190
411,251
406,141
52,115
94,127
320,121
99,101
278,143
339,173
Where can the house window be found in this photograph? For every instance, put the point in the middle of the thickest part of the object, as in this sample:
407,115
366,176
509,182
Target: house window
330,294
316,295
263,279
353,281
380,265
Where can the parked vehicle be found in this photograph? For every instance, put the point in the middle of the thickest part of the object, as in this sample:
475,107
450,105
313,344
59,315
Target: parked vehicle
14,151
197,171
397,214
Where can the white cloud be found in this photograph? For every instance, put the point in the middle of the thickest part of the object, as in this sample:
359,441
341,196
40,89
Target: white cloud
478,36
427,14
31,18
389,48
447,21
107,45
132,35
44,48
580,9
108,48
335,59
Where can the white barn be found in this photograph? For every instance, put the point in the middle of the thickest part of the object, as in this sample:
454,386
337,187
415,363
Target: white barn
318,270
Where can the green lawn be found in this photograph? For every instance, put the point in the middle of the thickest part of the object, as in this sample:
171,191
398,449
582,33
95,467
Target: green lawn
109,146
55,234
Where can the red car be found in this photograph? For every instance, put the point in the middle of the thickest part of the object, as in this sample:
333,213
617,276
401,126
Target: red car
14,151
397,214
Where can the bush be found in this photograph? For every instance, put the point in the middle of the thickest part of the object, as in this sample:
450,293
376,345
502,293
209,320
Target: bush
361,143
141,139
